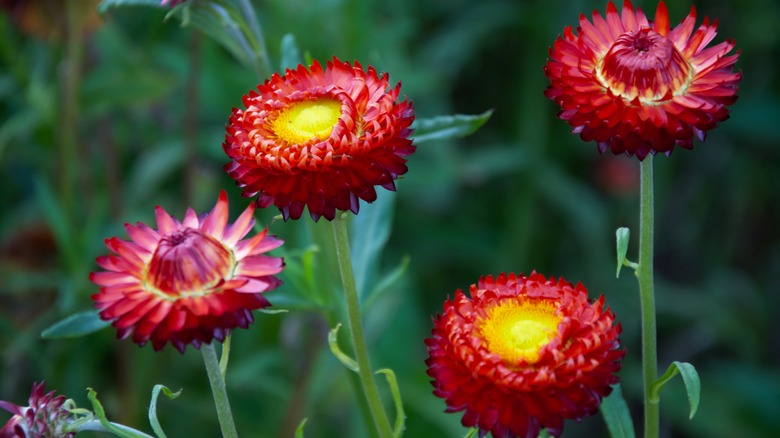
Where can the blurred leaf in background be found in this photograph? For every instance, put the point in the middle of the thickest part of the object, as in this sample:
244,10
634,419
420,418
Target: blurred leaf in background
522,193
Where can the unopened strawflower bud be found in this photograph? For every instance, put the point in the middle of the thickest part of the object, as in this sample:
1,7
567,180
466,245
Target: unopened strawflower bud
45,417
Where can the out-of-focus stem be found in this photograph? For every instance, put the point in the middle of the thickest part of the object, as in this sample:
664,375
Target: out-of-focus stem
191,115
67,131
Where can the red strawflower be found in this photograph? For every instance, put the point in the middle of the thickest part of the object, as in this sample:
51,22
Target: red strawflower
638,87
188,282
522,354
45,417
320,139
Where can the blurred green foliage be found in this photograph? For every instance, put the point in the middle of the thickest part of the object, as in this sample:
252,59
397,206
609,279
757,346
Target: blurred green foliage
523,193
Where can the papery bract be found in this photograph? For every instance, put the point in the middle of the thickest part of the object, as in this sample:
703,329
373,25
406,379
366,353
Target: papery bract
321,139
638,87
186,282
45,417
522,354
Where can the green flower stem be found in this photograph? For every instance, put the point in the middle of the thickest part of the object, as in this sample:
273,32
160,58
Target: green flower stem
218,391
69,114
322,237
644,275
370,391
96,426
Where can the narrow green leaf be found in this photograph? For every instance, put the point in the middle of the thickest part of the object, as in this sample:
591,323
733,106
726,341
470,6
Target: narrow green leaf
153,407
333,342
150,170
272,311
471,433
622,235
690,379
616,414
299,429
220,21
15,125
100,413
105,5
387,280
78,324
370,231
224,358
290,53
56,218
398,428
447,127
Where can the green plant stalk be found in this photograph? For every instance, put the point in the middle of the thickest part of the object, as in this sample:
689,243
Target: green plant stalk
195,56
96,426
322,236
71,81
370,390
218,390
644,275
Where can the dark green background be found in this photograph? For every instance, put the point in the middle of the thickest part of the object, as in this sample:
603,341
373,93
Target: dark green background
521,194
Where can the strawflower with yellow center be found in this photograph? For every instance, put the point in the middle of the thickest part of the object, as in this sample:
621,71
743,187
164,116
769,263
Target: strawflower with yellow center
638,87
320,139
187,282
523,354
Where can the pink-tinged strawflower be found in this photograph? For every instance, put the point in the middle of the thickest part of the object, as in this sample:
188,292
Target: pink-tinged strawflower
638,87
522,354
320,139
186,282
45,417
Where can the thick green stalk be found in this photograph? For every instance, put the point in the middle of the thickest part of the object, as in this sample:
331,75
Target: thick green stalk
356,328
218,390
644,275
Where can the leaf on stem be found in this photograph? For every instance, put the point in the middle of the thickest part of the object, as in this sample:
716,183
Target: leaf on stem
224,358
471,433
100,413
398,428
153,407
616,414
220,20
290,53
622,236
690,379
333,342
105,5
272,311
448,127
78,324
299,429
370,232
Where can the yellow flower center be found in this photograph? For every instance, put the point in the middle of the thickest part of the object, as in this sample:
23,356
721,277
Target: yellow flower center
306,120
517,330
646,66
